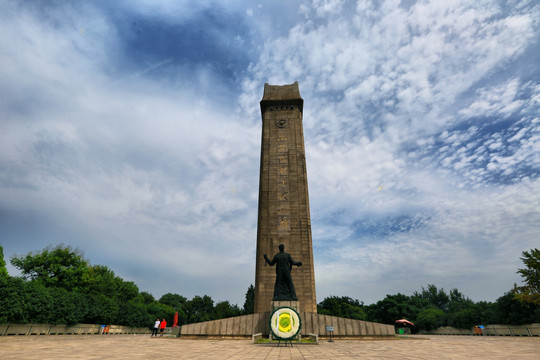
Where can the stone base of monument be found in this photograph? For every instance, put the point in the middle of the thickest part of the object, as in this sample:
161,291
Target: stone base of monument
243,327
292,304
288,303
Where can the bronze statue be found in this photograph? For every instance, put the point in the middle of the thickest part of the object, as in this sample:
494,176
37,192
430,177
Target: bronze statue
284,287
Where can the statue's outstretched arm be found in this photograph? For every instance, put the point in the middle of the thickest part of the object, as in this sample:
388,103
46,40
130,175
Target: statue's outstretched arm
292,262
270,262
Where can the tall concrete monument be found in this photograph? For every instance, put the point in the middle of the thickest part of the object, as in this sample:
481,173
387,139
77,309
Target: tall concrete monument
283,197
285,303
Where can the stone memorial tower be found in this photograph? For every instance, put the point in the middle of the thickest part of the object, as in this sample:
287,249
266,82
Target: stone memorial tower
284,219
283,216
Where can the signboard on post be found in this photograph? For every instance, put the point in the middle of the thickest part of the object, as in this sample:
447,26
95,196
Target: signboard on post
330,329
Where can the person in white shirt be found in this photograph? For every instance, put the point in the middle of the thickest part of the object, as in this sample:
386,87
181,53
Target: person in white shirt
156,328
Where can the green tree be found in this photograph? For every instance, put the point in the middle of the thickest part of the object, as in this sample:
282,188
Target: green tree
38,303
487,312
133,313
60,266
12,300
147,297
3,269
392,308
353,312
249,304
125,290
174,300
530,292
436,297
103,309
178,303
59,286
509,310
200,309
162,311
458,301
466,318
224,309
100,280
344,306
69,307
429,319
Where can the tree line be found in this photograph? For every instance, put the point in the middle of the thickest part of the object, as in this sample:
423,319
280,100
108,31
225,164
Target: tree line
59,286
432,307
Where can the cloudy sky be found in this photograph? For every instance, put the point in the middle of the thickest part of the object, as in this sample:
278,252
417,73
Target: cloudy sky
131,130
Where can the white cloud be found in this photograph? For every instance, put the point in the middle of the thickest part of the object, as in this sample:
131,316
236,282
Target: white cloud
328,7
422,144
500,100
381,78
463,237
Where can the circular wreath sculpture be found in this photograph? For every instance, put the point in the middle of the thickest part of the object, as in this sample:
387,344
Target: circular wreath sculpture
285,323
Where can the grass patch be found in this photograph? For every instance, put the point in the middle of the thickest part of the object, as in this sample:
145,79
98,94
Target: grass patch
267,341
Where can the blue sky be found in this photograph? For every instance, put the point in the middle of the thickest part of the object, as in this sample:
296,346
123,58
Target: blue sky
131,131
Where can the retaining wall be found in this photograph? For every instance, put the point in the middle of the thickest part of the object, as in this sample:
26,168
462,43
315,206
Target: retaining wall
493,330
312,323
79,329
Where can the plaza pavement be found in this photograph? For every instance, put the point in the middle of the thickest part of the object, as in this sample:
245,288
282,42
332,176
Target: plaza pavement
111,347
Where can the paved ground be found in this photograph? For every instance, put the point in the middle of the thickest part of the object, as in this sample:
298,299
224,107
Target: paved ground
113,347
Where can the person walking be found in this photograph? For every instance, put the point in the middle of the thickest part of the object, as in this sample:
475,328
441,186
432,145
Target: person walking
162,326
156,328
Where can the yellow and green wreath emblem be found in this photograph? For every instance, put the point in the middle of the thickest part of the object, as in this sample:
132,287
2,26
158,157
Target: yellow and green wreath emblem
285,323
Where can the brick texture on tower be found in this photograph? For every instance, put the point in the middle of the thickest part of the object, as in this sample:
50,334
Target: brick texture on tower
283,216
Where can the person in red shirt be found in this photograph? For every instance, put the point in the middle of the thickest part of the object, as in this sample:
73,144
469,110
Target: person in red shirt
162,326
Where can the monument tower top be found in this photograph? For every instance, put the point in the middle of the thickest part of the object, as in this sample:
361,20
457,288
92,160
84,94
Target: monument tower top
284,94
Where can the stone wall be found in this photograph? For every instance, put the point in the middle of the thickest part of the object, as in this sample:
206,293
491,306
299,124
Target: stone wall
343,328
79,329
234,327
312,323
493,330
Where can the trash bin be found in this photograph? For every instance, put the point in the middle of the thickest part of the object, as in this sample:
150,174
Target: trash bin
401,331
